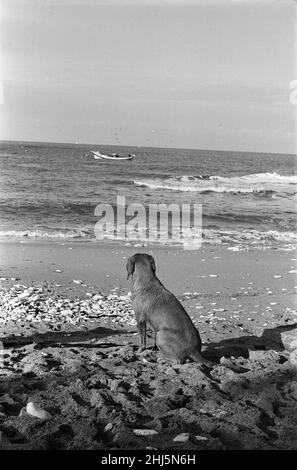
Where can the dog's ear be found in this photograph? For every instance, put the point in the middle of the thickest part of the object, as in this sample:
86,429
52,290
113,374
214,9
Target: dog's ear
130,266
153,264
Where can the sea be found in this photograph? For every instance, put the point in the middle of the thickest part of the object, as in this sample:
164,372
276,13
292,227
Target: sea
50,191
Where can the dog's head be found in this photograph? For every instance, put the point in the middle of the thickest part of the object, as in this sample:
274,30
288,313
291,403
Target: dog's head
140,262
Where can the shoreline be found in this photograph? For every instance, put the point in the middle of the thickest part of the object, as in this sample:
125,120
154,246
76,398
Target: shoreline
103,264
242,240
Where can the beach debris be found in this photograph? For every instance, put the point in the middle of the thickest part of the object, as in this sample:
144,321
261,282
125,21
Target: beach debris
277,276
58,270
41,304
201,438
145,432
183,437
23,412
108,427
213,275
293,271
77,281
34,410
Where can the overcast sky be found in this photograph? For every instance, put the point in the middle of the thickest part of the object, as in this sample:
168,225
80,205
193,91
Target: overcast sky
180,73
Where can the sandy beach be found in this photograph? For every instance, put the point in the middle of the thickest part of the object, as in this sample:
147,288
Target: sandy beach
74,351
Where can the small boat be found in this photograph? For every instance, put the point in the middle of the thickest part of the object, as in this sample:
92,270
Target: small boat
114,156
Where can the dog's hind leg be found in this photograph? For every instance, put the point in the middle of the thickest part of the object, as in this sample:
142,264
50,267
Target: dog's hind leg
141,325
168,347
155,341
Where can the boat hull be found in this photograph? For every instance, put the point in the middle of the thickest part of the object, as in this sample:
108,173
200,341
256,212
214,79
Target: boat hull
101,156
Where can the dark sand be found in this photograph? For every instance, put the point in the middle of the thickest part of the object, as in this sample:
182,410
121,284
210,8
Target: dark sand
88,375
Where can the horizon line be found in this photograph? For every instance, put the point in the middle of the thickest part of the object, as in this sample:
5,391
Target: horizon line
141,146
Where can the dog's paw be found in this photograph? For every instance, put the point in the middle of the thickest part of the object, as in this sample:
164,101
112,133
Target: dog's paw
148,355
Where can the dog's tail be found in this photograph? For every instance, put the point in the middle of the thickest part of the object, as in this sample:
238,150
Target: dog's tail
197,357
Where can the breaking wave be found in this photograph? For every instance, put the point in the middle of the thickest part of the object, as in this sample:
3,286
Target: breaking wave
259,183
47,234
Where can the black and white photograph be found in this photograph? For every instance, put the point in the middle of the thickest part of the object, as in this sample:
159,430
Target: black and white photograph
148,192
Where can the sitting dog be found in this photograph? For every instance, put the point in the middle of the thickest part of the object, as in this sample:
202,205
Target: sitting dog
176,335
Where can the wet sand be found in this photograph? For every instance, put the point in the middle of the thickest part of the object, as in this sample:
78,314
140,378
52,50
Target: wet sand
85,370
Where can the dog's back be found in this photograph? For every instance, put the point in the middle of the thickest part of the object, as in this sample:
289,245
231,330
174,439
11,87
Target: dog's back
177,337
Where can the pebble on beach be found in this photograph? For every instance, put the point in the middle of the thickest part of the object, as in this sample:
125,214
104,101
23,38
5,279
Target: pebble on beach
145,432
108,427
34,410
201,438
183,437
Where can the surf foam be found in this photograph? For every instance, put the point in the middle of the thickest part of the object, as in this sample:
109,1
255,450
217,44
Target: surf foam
253,183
